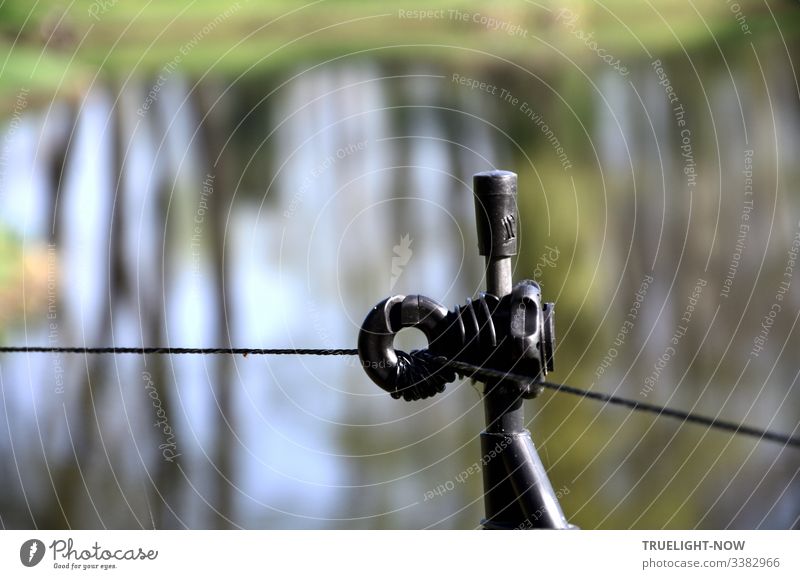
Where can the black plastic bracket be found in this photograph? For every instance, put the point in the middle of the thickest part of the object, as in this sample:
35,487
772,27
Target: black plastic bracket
514,334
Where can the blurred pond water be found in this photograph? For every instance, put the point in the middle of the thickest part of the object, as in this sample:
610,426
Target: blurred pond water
253,218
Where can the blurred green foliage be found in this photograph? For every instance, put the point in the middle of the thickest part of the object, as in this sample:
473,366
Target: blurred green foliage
59,47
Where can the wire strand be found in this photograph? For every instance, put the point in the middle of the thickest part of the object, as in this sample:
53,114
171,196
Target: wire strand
461,367
725,425
168,351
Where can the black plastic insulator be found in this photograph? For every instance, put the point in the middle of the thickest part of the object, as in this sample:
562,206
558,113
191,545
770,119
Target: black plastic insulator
395,371
495,212
512,334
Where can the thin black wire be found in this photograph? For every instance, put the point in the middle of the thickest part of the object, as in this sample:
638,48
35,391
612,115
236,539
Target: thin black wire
461,367
160,350
736,428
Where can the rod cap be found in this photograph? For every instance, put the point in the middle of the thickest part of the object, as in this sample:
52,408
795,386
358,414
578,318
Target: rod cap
496,212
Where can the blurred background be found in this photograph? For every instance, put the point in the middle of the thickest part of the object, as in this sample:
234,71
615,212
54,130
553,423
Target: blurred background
260,174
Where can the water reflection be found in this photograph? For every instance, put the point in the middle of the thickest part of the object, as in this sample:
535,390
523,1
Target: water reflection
220,235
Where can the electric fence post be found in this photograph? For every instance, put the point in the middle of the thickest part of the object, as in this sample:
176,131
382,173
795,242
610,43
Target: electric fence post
507,329
517,492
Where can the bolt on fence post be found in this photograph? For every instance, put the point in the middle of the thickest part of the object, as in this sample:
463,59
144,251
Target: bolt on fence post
517,492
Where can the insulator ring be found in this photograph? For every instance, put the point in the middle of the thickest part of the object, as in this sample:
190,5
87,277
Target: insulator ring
514,333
